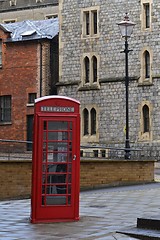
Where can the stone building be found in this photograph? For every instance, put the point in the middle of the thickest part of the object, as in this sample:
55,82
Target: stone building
17,11
28,69
92,69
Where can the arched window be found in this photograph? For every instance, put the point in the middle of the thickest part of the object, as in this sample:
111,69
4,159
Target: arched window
147,64
86,67
93,121
85,121
94,68
145,118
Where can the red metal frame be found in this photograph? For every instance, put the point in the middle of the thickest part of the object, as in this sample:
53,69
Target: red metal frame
56,162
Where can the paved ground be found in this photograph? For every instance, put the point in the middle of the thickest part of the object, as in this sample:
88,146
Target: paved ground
102,213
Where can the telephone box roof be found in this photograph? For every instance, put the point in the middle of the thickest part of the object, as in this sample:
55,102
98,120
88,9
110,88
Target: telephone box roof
56,97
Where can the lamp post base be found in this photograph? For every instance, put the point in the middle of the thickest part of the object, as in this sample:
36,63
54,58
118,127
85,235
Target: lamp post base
127,150
127,154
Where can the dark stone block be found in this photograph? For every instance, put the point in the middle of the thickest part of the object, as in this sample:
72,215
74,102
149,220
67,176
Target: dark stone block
149,223
142,234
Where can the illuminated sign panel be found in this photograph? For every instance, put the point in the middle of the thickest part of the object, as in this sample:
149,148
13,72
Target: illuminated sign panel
56,109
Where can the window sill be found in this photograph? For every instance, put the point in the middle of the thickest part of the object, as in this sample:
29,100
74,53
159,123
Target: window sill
85,37
89,87
149,29
30,104
145,83
5,123
90,138
145,137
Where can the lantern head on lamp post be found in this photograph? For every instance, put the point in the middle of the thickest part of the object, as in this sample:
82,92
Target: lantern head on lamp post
126,28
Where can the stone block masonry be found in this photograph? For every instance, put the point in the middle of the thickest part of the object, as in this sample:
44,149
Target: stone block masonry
108,46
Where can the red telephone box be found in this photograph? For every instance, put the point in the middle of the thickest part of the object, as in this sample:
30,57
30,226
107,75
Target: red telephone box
56,160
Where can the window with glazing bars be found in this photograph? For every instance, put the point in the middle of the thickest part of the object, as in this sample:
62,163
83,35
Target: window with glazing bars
90,22
32,97
5,108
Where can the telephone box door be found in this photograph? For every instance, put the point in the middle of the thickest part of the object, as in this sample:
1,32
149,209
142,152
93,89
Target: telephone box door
57,170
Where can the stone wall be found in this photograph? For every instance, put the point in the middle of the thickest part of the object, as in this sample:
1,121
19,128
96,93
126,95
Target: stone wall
110,96
15,176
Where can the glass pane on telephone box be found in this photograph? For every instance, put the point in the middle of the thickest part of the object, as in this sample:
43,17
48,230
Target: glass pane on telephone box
57,148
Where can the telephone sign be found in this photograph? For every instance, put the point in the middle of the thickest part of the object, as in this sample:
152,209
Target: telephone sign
56,160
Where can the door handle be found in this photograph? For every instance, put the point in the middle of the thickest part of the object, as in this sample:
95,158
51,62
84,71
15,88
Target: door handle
74,157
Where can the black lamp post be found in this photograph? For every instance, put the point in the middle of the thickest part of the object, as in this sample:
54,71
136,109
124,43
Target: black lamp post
126,28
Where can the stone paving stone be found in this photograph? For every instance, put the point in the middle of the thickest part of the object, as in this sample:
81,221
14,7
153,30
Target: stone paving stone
102,213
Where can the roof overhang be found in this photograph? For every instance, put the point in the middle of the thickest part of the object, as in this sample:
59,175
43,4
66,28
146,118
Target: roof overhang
4,29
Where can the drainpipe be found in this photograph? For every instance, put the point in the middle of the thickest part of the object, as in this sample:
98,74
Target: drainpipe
40,93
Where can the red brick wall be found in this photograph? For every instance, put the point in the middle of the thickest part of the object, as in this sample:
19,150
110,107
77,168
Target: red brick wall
18,77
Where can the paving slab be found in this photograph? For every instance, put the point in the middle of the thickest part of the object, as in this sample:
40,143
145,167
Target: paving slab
102,213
